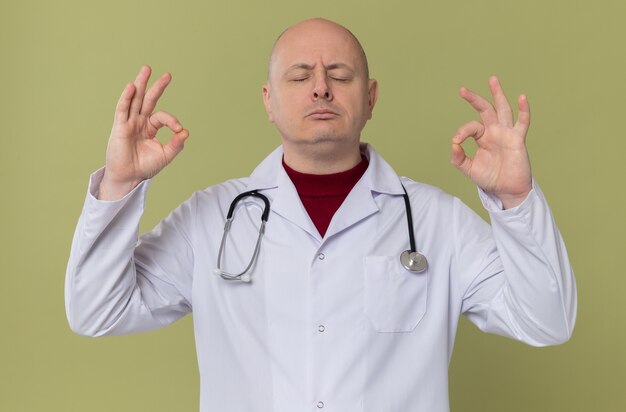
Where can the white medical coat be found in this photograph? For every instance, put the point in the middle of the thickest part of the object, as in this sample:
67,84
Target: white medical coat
333,323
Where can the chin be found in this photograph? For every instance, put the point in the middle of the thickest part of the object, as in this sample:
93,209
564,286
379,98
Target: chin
323,135
326,134
328,139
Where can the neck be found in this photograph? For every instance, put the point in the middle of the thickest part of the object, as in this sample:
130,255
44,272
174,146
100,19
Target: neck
321,159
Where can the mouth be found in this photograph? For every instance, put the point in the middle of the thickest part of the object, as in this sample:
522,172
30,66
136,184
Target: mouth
322,114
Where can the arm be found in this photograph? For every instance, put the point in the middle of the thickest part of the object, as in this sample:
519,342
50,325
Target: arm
114,284
524,288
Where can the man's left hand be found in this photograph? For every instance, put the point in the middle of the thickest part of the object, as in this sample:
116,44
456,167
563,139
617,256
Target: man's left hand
500,165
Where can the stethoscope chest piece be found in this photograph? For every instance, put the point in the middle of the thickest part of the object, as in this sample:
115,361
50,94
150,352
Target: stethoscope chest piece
413,261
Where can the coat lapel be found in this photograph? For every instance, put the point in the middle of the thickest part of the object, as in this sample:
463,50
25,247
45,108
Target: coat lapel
359,204
271,179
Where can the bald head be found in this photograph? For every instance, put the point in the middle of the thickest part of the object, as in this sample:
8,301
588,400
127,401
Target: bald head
307,31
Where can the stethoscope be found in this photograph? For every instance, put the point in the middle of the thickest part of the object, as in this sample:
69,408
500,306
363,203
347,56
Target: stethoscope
411,259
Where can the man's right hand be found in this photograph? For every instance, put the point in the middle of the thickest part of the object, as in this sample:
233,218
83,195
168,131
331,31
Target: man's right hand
134,153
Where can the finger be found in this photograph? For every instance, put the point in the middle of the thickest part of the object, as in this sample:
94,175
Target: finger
123,104
140,85
503,109
154,93
160,119
175,145
460,160
481,105
473,129
523,117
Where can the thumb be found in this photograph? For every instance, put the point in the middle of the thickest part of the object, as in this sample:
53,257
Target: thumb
175,145
460,160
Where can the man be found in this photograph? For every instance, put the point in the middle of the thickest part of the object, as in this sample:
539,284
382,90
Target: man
326,316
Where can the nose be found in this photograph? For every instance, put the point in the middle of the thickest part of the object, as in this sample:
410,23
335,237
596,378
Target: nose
321,90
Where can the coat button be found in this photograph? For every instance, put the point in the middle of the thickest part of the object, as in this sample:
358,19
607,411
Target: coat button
321,328
320,404
321,256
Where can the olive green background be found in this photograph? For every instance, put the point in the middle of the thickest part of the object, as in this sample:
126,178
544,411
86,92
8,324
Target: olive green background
63,65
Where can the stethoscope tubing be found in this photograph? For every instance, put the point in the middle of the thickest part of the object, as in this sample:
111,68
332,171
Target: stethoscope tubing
243,275
409,219
411,259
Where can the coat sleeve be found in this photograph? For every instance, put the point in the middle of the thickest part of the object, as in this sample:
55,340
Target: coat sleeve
524,286
117,284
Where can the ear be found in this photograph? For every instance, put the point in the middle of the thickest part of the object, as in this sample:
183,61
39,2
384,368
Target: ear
267,103
373,95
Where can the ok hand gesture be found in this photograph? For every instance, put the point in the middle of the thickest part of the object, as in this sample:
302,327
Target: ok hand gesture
133,152
501,165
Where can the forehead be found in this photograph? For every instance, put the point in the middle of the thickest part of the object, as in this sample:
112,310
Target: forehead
311,42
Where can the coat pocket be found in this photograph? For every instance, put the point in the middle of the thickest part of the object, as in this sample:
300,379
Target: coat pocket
395,298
